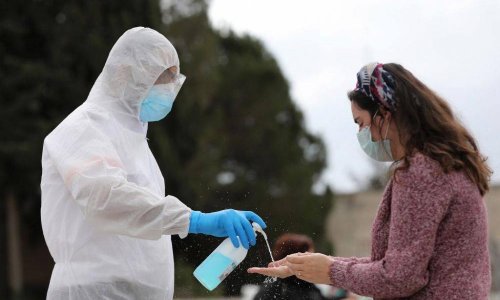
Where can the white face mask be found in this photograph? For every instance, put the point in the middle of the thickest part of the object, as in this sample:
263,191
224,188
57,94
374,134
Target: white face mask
378,150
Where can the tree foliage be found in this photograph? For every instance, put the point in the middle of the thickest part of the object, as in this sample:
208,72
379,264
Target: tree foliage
234,139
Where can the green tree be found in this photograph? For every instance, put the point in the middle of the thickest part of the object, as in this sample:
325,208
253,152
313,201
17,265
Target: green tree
235,137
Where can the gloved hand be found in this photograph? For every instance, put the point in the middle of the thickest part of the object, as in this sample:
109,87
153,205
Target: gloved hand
228,222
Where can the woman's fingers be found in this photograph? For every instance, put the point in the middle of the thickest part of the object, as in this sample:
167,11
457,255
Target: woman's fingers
296,263
277,263
283,261
298,258
296,269
281,272
265,271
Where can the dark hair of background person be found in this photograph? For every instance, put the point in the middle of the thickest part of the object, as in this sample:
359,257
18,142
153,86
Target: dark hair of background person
290,243
427,125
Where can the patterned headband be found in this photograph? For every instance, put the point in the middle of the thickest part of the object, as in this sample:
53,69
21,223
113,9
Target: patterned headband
377,84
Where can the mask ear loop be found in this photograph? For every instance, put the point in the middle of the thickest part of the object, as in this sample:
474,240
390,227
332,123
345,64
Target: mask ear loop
374,115
385,138
373,118
386,132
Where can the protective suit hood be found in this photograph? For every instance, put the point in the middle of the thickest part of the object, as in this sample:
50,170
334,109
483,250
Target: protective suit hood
135,62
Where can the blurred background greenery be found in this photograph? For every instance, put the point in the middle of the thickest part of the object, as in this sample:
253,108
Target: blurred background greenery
235,137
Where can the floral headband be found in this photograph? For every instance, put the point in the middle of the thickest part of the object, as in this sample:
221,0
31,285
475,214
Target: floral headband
377,84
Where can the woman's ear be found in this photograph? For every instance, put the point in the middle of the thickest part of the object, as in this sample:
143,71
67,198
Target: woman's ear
385,114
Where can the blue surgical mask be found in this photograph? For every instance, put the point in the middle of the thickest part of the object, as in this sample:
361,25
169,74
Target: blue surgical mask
378,150
157,103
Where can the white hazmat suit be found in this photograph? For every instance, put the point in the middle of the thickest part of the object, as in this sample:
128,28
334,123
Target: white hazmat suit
105,216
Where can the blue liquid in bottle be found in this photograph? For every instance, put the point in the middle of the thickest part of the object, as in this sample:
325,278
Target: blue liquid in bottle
214,270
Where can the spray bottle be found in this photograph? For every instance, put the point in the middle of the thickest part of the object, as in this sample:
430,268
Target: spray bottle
222,261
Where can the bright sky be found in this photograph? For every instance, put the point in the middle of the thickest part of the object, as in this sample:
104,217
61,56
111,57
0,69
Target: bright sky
453,46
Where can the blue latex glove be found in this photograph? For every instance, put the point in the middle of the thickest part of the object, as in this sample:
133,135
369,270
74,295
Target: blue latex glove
228,222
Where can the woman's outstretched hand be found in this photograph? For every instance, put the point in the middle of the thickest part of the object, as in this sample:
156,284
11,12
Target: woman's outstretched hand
311,267
274,269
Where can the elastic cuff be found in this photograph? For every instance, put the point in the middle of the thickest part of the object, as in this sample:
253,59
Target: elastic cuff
338,270
193,221
175,217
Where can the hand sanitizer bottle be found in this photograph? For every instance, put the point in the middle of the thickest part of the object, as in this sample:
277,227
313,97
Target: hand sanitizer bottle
222,261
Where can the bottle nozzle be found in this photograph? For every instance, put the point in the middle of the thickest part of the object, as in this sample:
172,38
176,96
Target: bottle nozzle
257,228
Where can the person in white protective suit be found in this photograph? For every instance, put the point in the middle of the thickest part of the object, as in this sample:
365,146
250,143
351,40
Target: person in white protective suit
105,216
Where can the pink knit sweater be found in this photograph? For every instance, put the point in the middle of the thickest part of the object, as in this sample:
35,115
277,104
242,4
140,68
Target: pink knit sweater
429,240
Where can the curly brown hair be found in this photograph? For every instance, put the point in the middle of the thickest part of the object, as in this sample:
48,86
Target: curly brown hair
427,125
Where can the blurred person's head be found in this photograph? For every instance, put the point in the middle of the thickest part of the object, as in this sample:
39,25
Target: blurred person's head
290,243
398,115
